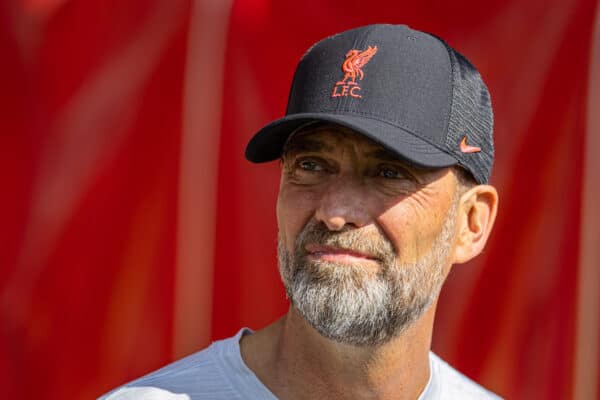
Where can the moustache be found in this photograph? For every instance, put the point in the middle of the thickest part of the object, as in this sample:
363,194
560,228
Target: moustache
366,241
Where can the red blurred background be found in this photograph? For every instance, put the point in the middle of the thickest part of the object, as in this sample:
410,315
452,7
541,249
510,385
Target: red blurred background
134,232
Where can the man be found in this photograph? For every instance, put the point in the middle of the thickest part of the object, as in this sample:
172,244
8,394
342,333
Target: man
386,151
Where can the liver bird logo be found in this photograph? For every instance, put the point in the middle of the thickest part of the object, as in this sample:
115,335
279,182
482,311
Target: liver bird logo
352,66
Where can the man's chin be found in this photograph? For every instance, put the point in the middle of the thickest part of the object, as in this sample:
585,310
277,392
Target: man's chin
361,315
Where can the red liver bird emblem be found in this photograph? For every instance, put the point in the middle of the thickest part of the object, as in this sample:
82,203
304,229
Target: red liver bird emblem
352,67
355,60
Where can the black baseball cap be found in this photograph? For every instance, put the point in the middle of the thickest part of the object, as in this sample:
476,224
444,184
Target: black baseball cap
405,89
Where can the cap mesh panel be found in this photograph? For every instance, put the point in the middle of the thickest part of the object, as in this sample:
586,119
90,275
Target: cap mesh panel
471,116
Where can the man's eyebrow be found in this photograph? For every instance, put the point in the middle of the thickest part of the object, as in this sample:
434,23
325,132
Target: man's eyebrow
386,155
306,145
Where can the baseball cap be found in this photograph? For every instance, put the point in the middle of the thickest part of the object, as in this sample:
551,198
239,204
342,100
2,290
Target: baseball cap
404,89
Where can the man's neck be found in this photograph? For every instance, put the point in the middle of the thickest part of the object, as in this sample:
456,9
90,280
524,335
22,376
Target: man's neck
295,362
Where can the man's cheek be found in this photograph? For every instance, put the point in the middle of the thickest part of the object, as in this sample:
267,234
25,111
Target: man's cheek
293,214
289,230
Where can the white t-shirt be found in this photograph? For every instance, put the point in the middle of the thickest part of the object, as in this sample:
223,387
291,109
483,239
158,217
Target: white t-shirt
219,373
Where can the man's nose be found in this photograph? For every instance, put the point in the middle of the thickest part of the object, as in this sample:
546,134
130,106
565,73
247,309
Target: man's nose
343,202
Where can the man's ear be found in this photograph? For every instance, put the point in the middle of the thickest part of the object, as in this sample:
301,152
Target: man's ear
476,216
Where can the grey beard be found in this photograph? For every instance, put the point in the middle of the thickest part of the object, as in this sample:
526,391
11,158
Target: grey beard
347,303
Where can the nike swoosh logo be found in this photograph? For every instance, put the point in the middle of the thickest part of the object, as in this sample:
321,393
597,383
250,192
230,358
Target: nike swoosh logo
465,148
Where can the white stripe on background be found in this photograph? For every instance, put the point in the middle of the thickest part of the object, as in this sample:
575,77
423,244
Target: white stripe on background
585,382
198,174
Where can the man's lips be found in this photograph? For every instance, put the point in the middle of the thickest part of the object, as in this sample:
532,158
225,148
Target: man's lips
337,254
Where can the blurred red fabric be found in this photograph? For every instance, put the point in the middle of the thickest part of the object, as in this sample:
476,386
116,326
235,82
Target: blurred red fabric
93,118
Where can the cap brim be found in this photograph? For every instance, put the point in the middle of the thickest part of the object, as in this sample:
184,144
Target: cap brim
268,143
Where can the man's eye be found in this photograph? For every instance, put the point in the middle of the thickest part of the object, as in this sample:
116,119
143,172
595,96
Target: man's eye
310,165
390,173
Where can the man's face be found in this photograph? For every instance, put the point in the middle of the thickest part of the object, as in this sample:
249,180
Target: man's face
364,239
